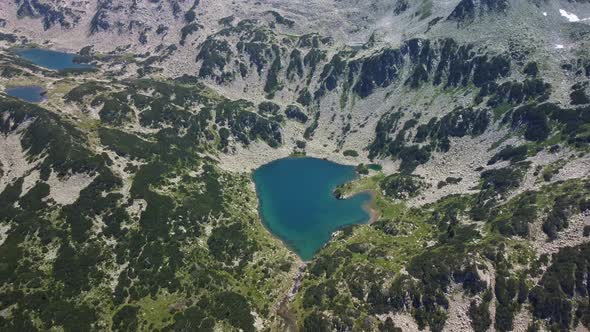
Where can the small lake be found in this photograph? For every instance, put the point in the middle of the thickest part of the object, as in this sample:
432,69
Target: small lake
30,93
51,59
298,205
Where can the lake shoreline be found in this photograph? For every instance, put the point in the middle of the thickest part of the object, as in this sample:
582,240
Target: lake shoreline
264,224
370,207
357,211
51,59
30,93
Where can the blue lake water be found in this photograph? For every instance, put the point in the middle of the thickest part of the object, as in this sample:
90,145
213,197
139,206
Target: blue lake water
51,59
297,203
30,93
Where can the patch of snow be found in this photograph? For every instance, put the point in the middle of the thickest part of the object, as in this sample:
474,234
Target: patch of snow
544,13
571,16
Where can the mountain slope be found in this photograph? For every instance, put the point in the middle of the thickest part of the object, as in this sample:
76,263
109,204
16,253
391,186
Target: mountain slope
126,201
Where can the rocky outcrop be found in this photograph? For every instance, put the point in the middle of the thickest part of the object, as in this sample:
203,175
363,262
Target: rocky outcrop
468,10
49,14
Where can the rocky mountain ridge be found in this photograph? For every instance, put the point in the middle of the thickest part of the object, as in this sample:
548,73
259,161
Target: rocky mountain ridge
126,201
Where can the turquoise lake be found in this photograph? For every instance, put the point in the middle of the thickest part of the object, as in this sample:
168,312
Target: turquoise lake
297,203
51,59
31,93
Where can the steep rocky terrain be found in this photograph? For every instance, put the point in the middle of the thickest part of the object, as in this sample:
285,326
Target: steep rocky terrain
126,201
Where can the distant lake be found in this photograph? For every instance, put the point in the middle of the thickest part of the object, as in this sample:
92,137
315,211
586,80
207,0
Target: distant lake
30,93
298,205
51,59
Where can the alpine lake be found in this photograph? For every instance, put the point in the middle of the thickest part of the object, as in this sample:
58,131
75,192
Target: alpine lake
296,194
30,93
298,205
46,58
51,59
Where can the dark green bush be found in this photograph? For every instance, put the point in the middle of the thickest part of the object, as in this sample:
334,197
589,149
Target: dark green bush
295,113
350,153
480,316
535,121
402,186
513,154
531,69
579,97
126,319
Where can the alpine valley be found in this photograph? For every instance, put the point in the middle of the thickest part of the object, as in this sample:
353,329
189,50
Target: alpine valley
140,141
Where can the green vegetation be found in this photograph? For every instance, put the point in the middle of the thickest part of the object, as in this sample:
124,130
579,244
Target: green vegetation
510,153
535,121
364,262
304,98
552,169
246,125
312,59
267,108
514,93
362,169
214,55
448,181
295,64
578,95
309,131
402,186
280,19
358,274
531,69
560,298
62,269
350,153
165,105
162,239
562,208
425,10
540,121
391,139
295,113
84,90
272,80
188,30
114,110
480,313
127,145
